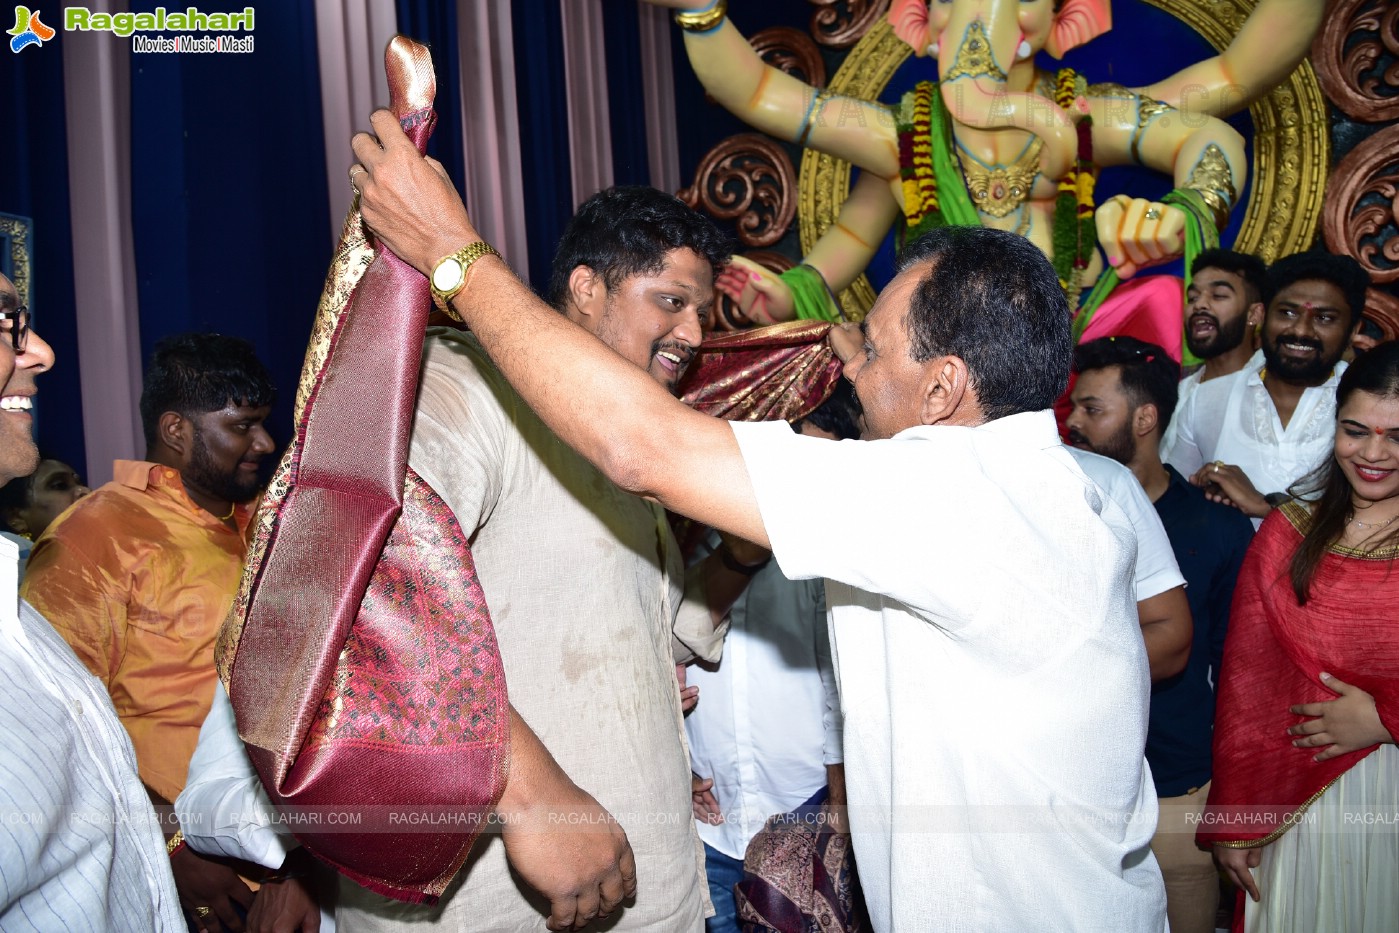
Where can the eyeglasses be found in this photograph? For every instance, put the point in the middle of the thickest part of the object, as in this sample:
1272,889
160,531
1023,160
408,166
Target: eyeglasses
17,322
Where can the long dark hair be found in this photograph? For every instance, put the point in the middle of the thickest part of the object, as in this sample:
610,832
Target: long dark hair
1377,372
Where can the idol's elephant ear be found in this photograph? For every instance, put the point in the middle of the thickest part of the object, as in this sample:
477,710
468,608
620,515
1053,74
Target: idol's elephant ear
1077,22
910,21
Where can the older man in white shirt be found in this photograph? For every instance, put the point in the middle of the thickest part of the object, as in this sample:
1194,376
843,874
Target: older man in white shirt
80,845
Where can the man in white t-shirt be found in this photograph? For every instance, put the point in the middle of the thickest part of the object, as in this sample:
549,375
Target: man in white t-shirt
1223,312
1249,437
992,673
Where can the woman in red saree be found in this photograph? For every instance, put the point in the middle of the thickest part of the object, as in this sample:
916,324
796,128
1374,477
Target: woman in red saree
1303,809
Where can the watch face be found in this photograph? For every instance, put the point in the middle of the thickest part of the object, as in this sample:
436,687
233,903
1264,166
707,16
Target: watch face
447,275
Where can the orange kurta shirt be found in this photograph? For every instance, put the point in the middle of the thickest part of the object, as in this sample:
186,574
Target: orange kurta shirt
138,579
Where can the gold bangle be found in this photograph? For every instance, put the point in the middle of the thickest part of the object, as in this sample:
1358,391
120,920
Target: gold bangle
703,20
1213,181
172,845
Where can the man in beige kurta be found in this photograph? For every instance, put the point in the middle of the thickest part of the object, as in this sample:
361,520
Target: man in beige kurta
584,580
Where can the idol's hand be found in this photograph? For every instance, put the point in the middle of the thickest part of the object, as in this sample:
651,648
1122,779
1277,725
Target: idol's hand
1135,233
406,199
1346,724
759,293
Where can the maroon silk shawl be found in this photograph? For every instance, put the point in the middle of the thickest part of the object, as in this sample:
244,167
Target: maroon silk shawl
359,654
1273,656
777,373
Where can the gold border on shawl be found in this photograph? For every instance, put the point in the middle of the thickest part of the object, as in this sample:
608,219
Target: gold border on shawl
1288,822
352,257
1299,517
1291,144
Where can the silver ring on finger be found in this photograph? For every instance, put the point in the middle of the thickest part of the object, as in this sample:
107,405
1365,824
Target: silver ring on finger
1153,213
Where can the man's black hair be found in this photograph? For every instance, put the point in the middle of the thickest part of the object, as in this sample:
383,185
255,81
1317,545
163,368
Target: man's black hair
628,230
1341,271
1246,266
991,298
193,374
839,414
15,496
1147,373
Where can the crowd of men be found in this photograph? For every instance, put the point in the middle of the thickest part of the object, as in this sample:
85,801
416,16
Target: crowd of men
1013,620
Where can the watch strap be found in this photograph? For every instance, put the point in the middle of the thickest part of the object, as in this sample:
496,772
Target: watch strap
464,257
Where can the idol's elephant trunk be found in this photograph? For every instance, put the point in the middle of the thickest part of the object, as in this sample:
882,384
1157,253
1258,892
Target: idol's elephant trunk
977,49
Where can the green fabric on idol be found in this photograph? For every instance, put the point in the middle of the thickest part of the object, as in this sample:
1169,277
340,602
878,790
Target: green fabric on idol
811,297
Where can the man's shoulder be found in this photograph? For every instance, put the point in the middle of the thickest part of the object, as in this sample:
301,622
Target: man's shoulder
1185,506
106,521
105,505
1217,390
458,352
456,368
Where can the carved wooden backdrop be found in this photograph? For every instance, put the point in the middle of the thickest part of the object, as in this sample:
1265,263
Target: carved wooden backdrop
1357,61
750,180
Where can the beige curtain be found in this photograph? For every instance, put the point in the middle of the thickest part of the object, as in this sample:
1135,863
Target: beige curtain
97,107
350,38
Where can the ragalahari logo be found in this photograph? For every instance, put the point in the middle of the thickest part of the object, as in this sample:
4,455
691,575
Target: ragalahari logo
29,30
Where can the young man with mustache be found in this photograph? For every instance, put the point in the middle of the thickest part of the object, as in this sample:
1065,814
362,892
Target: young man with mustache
1247,437
139,575
1223,310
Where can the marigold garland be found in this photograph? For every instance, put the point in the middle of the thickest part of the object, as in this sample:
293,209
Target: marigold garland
920,185
1074,233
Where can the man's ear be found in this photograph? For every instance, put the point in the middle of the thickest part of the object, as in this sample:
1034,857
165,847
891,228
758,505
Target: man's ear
176,432
1254,314
1145,419
586,292
944,390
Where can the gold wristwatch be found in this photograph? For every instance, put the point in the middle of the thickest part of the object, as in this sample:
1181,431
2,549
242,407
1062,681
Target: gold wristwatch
449,275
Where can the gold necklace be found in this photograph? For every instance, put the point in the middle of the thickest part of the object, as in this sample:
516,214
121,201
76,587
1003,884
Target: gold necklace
995,189
1359,524
231,507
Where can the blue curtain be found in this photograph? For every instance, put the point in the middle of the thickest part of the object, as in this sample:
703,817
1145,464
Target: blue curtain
34,183
540,80
434,24
625,91
229,192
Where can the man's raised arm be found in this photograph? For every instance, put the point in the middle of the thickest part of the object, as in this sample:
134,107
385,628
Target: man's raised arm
607,409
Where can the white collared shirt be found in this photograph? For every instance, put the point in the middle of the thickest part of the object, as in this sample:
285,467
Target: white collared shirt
768,718
1233,419
1188,387
992,673
80,846
1156,570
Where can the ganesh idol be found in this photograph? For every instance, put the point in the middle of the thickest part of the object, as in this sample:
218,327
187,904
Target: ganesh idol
996,140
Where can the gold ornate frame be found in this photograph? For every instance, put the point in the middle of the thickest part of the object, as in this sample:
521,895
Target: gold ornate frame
1291,144
16,237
